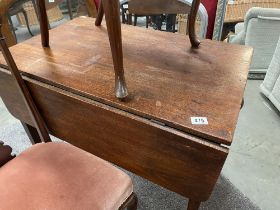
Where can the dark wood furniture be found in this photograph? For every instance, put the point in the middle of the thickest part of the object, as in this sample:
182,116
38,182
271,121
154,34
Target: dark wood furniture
6,30
17,7
5,5
5,154
90,169
150,133
86,7
155,20
111,9
127,17
52,4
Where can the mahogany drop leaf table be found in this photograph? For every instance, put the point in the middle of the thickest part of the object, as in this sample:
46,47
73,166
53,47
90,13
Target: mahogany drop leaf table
178,121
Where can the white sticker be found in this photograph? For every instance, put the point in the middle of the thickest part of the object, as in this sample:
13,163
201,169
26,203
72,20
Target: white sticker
125,6
199,120
51,1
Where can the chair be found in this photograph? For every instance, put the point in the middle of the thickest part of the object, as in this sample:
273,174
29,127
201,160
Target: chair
87,7
16,8
127,17
111,9
271,84
54,3
57,175
6,29
202,13
236,10
260,30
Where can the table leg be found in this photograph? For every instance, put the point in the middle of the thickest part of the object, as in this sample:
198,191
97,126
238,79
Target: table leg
193,205
32,133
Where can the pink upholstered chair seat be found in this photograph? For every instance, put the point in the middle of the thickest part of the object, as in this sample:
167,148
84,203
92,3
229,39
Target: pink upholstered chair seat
61,176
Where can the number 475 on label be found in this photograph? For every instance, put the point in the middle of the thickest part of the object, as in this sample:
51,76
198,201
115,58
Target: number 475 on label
199,120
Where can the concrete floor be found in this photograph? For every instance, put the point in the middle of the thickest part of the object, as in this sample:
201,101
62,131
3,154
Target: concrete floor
253,164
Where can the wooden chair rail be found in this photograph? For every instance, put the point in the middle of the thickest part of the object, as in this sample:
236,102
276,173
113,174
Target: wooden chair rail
32,109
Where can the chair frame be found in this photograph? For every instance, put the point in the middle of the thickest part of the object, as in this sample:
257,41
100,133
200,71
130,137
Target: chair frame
111,9
18,8
37,119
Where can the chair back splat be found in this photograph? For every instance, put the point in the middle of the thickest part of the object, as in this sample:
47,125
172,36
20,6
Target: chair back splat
23,89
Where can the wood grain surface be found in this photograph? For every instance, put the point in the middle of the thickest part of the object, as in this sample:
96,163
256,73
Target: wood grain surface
178,161
168,81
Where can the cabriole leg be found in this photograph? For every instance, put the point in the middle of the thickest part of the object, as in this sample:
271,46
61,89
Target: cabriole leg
193,205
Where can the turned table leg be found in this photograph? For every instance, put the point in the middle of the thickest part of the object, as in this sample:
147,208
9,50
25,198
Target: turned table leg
193,205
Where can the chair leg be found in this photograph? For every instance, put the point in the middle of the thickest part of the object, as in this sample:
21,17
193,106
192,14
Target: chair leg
12,27
191,24
112,14
123,15
44,23
193,205
100,14
130,203
147,21
26,21
5,154
129,19
69,6
135,20
242,103
32,133
173,23
35,8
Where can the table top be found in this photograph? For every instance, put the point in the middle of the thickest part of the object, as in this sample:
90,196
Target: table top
167,81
